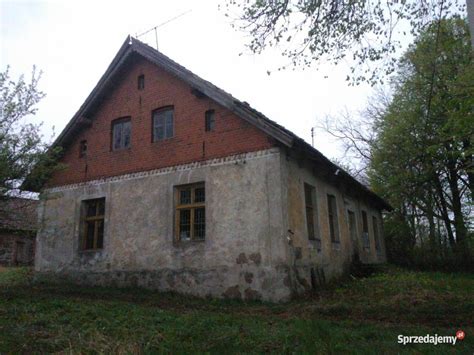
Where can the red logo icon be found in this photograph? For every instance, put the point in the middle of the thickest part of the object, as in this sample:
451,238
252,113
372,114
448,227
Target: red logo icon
460,335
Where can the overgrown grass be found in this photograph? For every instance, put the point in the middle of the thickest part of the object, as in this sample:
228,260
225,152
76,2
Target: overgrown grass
361,316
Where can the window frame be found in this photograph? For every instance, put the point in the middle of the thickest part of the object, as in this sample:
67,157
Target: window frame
365,229
210,120
312,215
96,220
116,123
157,111
141,82
192,206
375,229
83,148
333,219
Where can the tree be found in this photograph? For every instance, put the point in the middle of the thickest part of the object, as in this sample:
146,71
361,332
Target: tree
361,31
421,159
22,152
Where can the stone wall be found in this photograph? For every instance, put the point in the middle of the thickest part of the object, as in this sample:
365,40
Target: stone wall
245,252
311,267
16,248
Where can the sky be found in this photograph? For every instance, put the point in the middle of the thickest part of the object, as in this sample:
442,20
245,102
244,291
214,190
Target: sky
73,42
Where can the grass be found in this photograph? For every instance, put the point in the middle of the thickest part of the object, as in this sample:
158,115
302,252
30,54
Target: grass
359,316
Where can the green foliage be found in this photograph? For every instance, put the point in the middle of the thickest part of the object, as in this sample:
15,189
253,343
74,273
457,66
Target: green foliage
361,316
21,146
422,159
338,30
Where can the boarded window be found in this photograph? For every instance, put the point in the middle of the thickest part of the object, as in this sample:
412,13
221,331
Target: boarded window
190,212
83,149
93,224
376,233
311,208
333,221
210,120
121,133
365,231
141,82
163,124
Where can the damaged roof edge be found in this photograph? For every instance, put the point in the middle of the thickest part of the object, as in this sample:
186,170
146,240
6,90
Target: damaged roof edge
242,109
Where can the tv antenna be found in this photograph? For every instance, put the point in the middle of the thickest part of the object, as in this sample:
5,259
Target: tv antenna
161,25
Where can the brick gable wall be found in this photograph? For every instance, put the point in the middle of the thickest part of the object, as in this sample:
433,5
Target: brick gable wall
232,135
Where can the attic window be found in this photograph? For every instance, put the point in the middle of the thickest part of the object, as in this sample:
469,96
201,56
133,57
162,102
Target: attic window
210,120
141,82
83,149
121,132
163,122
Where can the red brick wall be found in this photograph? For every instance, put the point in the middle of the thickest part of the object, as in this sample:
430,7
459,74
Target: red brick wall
232,135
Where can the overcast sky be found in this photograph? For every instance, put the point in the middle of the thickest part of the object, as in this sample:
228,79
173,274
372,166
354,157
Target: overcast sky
73,42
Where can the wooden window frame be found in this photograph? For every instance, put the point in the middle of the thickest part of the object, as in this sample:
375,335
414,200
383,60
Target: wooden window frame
192,206
311,212
92,219
155,112
141,82
83,148
210,120
365,230
375,229
333,220
115,123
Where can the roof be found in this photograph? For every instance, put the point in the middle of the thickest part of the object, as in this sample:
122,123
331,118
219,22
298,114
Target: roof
203,87
18,214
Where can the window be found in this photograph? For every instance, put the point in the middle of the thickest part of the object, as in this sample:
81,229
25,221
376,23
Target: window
333,222
376,233
163,124
365,231
141,82
190,212
93,224
210,120
312,214
83,149
121,132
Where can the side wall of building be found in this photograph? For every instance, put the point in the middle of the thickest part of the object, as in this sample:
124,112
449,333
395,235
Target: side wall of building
313,266
244,254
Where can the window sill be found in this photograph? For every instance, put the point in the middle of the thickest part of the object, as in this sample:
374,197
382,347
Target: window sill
187,243
336,245
164,140
121,150
313,244
90,251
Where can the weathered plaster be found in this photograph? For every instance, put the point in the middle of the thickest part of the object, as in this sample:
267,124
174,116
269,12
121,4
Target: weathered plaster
334,258
243,254
256,244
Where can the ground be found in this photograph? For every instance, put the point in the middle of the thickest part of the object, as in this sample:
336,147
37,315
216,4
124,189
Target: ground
363,315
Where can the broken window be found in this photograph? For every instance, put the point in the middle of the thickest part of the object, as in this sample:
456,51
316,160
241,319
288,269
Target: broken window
376,233
210,120
163,122
93,224
83,149
190,212
333,221
312,214
365,231
121,133
141,82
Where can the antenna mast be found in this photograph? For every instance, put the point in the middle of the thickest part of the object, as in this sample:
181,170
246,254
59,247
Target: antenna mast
160,25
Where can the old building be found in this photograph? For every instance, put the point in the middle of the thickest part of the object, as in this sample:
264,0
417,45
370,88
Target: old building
18,217
172,183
